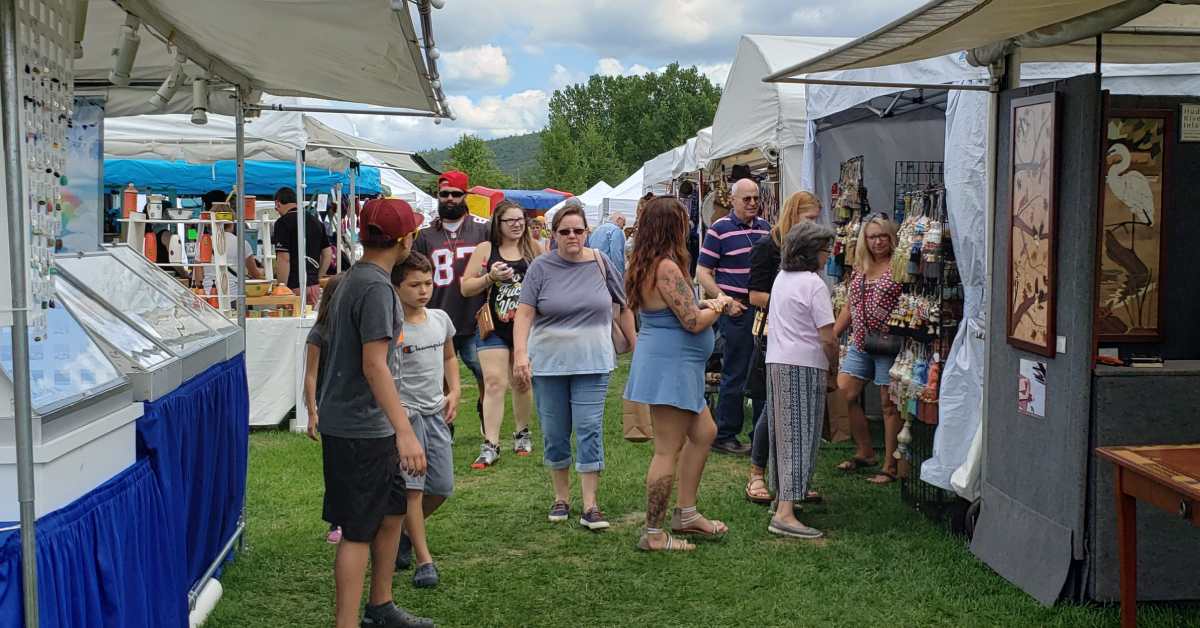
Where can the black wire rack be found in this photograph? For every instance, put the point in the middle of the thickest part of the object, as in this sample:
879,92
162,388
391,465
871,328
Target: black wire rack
912,176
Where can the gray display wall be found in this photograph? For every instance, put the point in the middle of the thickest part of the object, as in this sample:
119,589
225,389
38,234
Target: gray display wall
916,136
1032,520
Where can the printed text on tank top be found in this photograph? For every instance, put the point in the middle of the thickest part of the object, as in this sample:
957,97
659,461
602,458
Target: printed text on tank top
506,295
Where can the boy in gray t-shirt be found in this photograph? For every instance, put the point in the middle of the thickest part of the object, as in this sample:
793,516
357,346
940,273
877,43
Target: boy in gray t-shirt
424,363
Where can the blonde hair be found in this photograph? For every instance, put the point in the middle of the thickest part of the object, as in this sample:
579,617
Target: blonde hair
797,205
862,253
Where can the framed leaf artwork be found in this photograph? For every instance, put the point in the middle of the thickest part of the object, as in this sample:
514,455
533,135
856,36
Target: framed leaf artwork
1132,208
1033,204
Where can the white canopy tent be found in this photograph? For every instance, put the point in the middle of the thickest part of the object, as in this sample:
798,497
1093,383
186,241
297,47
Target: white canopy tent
754,116
274,135
245,43
670,165
695,153
624,198
591,203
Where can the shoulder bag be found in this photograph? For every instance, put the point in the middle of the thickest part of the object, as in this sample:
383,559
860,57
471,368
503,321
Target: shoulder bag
877,342
620,342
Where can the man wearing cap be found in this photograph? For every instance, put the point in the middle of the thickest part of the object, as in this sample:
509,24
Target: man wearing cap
366,437
448,243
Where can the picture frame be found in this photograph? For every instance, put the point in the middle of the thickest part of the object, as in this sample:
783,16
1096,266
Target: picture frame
1032,212
1133,206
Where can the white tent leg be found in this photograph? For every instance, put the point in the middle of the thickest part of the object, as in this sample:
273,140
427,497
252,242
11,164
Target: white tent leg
239,261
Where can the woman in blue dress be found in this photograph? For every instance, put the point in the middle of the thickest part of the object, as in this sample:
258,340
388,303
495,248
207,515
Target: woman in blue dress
667,373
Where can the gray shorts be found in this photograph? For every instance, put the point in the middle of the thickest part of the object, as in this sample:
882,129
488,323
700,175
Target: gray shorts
434,436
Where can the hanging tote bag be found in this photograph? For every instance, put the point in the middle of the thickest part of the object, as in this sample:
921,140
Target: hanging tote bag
620,343
635,422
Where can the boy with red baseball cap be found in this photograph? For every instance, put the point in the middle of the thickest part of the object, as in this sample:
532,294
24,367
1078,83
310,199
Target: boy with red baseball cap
366,437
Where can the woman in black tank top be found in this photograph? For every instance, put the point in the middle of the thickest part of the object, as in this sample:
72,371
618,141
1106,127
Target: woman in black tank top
498,267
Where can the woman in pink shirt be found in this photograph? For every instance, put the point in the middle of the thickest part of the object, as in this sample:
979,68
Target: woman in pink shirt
801,352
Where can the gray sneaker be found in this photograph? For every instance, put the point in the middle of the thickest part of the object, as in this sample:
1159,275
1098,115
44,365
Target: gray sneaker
488,454
426,576
797,531
522,443
391,616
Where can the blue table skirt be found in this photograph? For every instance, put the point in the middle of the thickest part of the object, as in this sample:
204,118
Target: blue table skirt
100,560
126,554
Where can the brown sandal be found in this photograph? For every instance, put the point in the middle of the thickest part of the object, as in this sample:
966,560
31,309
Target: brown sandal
714,530
881,478
673,545
755,495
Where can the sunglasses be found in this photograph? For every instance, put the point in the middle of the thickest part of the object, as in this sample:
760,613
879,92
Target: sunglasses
450,194
747,199
567,232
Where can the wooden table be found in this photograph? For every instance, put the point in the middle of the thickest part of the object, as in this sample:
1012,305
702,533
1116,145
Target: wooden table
1166,476
292,301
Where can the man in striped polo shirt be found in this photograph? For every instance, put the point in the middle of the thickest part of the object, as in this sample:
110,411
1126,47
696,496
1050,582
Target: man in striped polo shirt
724,269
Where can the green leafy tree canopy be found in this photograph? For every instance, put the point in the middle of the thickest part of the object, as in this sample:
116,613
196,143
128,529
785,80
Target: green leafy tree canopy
473,156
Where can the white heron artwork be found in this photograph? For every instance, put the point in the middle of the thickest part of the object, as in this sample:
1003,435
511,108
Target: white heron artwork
1132,215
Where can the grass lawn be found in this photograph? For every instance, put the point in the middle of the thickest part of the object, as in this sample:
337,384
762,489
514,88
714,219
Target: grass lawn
503,564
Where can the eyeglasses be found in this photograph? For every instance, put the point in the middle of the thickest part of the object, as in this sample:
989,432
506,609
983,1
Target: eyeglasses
567,232
512,222
880,236
747,199
450,194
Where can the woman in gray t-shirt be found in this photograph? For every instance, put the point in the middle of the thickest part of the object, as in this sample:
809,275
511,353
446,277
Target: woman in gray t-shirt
562,340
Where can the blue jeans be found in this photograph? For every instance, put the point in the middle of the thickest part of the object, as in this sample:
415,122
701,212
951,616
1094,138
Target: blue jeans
464,346
566,402
735,366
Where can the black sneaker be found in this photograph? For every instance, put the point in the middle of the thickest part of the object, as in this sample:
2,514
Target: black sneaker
426,576
560,511
732,447
404,553
391,616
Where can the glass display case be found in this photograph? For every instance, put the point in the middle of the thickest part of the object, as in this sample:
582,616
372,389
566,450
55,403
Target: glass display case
152,370
180,294
144,302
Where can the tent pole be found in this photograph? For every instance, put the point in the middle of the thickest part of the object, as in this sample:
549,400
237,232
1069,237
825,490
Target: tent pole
240,262
301,222
10,102
372,111
353,209
341,245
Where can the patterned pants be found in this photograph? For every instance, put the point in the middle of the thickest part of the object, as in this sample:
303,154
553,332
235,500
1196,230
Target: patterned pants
795,405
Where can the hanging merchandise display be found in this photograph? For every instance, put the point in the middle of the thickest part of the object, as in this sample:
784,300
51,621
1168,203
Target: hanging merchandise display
44,62
851,194
912,176
768,200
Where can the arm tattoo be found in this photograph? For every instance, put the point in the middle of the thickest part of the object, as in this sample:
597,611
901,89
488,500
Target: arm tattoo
679,297
658,493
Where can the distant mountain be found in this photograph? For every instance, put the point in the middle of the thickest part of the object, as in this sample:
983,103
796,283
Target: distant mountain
516,155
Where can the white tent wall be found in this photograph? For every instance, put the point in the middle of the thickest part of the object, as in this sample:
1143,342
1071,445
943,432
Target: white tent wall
915,136
659,172
695,153
591,199
624,198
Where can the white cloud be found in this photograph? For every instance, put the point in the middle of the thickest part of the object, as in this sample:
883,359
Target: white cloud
488,117
562,77
479,65
609,66
693,31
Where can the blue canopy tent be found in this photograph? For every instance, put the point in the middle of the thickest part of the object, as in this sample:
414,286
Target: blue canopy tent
540,200
263,178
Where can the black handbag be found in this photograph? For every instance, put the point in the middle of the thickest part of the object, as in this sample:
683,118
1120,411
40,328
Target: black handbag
878,342
756,379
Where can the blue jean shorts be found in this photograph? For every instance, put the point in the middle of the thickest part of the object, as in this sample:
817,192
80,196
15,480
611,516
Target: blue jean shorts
867,367
493,341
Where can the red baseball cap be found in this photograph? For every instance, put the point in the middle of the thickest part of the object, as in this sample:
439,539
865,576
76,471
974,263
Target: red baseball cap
392,217
453,179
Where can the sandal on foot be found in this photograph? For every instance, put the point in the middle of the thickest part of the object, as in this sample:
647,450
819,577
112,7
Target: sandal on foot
694,524
813,497
756,490
795,531
673,545
856,463
883,477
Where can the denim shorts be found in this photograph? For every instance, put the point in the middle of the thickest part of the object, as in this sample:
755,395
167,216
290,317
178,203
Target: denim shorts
867,367
493,341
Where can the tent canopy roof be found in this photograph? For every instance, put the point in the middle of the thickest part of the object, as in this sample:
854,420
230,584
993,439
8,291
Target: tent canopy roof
753,114
263,178
351,50
275,135
1136,31
591,202
533,199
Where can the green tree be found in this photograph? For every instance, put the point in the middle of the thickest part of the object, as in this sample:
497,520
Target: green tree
472,156
609,126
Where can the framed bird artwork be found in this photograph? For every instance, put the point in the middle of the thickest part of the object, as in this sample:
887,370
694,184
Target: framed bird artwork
1132,208
1033,205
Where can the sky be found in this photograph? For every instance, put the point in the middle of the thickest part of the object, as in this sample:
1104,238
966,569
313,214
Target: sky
501,60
